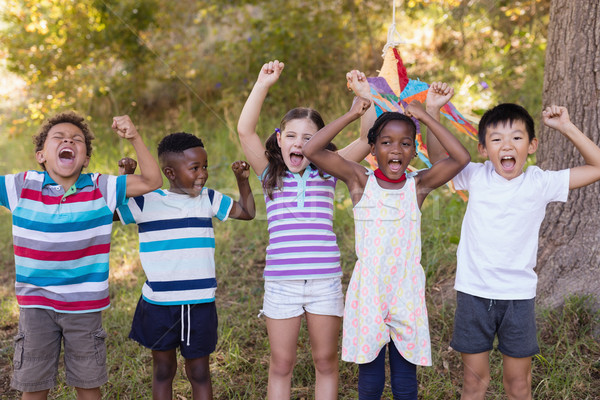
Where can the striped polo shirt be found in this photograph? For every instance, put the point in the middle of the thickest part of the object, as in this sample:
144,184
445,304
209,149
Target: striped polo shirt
177,243
302,244
62,239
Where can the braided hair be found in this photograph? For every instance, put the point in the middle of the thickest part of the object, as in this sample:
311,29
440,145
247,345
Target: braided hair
383,120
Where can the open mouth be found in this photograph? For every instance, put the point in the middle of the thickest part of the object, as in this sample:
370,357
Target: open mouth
296,159
395,165
508,162
66,154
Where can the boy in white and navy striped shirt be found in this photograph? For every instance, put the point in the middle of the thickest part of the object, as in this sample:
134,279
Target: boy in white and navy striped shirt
177,247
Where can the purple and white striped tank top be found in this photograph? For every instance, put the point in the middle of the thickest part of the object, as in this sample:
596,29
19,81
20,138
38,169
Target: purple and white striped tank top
302,244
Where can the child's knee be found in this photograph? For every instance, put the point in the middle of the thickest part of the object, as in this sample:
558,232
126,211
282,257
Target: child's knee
517,387
164,372
326,364
476,382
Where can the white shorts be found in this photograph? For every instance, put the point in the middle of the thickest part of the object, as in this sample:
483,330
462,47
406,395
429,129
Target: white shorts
291,298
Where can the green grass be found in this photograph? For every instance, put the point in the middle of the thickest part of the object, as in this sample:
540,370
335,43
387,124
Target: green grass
568,368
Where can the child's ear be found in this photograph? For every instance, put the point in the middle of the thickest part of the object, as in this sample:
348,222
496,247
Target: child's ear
169,173
86,162
533,144
482,150
373,149
39,157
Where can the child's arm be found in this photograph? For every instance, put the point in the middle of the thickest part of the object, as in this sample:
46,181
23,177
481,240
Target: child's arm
244,208
360,148
149,178
445,169
558,118
352,173
127,166
252,145
438,95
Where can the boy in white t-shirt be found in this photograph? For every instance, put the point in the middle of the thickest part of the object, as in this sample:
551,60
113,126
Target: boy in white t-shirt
496,257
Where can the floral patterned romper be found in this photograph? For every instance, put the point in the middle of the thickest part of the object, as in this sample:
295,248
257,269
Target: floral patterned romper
386,295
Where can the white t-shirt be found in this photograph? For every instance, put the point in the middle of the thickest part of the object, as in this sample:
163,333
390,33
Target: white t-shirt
499,236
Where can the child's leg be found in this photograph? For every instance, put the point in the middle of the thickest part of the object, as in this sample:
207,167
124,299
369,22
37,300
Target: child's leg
324,331
88,394
517,377
476,375
283,339
371,378
198,373
39,395
164,367
403,375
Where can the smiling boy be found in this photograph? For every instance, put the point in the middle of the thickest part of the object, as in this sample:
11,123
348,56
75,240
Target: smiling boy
62,222
496,257
177,248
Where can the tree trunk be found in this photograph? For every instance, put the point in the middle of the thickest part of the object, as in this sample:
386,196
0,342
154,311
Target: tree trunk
569,247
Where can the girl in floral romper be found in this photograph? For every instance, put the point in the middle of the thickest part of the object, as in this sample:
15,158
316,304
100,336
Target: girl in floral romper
385,301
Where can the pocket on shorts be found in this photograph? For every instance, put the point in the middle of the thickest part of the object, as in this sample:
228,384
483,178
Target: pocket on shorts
100,345
19,341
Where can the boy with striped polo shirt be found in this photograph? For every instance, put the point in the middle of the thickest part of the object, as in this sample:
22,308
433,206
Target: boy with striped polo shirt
177,247
62,222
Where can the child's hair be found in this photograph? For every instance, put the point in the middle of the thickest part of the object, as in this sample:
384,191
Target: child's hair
178,142
503,113
382,121
70,117
276,170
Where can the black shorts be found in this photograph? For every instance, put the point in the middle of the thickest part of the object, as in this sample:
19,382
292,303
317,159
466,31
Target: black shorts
478,320
191,327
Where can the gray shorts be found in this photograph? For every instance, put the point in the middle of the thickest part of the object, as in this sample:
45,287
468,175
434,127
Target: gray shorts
37,350
478,320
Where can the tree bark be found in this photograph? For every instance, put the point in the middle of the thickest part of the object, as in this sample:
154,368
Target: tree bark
569,247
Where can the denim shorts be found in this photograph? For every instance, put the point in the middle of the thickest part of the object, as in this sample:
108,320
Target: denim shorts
38,343
478,320
291,298
191,327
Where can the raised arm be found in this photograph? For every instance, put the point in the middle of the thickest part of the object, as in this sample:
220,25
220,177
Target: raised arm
252,145
150,178
438,95
557,117
244,208
333,163
445,169
360,148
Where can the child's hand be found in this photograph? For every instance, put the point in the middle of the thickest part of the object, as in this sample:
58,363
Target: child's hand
241,169
269,73
124,127
438,95
415,109
556,117
357,82
359,106
127,166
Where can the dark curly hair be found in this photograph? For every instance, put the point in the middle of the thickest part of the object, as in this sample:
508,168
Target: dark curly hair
277,169
178,142
505,113
383,120
70,117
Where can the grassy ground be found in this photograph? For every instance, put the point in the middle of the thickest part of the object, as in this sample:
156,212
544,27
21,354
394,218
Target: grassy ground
568,367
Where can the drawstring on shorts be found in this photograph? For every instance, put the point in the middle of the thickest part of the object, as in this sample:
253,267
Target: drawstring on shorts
188,324
492,302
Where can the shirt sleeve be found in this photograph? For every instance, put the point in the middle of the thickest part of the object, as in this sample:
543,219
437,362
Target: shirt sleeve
220,204
10,190
555,184
462,179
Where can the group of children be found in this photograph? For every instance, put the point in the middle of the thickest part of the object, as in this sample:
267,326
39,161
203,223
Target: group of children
62,221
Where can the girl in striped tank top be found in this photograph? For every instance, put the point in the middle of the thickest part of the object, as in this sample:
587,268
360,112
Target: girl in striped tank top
385,301
302,272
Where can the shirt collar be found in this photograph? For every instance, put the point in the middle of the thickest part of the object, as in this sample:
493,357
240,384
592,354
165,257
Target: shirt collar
82,181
